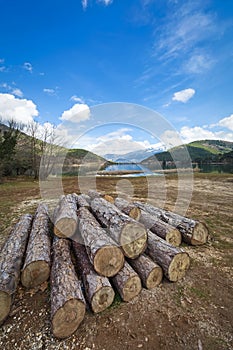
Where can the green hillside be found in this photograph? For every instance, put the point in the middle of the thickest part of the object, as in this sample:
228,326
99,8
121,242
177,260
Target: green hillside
206,151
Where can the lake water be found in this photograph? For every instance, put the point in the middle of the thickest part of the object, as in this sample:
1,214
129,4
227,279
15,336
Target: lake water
137,170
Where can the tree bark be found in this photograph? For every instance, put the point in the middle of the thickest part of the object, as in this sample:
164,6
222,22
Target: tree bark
127,283
192,231
98,289
160,228
36,267
94,194
65,216
151,274
128,233
83,201
10,263
174,261
67,300
106,257
128,208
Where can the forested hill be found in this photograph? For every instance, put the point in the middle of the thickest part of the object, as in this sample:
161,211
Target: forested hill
206,151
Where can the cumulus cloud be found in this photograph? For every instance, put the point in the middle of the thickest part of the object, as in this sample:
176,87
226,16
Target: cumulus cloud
183,95
12,89
28,66
20,110
76,114
227,122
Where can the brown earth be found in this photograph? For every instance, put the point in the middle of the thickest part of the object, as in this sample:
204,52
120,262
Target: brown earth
194,313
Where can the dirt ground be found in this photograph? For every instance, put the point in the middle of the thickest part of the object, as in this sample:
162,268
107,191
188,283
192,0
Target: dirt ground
194,313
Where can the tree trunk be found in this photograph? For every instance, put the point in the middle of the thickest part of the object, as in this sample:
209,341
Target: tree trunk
98,289
94,194
174,261
36,267
67,300
162,229
106,257
128,208
10,263
83,201
128,233
65,216
127,283
192,231
151,274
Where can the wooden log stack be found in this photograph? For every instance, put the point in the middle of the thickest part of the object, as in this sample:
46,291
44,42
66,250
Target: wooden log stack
118,253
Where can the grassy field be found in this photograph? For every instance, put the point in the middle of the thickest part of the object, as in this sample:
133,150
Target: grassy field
194,313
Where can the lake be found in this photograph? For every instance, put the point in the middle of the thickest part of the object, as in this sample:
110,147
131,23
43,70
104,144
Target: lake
128,170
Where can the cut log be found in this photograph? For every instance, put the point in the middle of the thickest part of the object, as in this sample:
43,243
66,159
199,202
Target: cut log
193,232
98,289
94,194
36,267
65,216
161,228
10,263
174,261
67,301
151,274
127,232
83,201
106,257
128,208
127,283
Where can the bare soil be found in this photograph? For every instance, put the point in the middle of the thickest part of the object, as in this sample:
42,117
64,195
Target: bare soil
194,313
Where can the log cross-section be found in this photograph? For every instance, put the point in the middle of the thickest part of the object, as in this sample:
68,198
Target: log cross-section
36,267
173,260
127,282
193,232
94,194
98,289
67,301
151,274
65,216
128,208
106,257
127,232
11,259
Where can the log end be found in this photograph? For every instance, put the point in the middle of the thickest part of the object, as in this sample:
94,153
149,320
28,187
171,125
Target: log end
102,299
178,266
200,234
5,305
108,261
67,319
108,198
65,228
154,278
131,288
174,237
133,240
35,274
135,213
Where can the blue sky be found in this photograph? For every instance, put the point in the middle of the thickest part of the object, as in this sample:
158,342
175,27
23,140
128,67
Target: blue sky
173,56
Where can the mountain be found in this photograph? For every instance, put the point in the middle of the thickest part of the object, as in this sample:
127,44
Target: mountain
205,151
133,157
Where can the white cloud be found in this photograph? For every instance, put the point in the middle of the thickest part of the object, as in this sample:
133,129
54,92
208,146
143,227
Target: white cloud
28,66
84,4
77,99
183,95
189,134
50,92
21,110
198,63
106,2
76,114
17,92
227,122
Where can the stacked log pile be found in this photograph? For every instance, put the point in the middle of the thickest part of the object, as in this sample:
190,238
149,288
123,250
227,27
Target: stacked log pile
98,248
